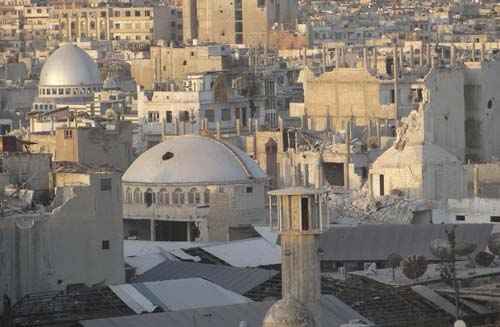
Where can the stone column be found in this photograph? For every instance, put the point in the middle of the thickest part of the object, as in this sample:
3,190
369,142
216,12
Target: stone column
69,27
152,229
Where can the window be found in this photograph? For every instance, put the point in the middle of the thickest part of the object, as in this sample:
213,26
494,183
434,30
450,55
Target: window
495,219
105,184
168,116
147,13
117,14
137,196
184,115
460,218
149,198
68,134
305,213
225,114
105,245
127,13
210,115
381,185
128,195
164,197
193,196
206,196
153,116
178,197
249,189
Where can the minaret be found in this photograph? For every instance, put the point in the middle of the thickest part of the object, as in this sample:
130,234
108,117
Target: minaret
299,214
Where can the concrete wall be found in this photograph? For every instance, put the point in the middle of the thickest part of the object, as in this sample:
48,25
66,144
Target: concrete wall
482,180
444,110
28,169
481,87
472,210
49,251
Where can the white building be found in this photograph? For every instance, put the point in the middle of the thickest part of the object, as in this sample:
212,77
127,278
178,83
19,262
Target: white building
192,188
206,99
68,81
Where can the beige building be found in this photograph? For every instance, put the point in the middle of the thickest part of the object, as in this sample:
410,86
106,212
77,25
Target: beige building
168,64
101,146
135,24
140,24
237,22
192,188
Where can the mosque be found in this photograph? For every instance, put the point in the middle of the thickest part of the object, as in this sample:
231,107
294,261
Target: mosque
68,81
190,188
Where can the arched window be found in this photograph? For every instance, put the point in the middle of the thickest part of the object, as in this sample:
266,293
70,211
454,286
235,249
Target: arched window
178,197
128,195
149,197
163,197
194,196
206,196
137,196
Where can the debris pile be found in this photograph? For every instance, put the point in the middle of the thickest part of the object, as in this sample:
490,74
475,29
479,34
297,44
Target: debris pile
356,207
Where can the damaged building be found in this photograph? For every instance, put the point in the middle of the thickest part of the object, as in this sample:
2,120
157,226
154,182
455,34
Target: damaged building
51,214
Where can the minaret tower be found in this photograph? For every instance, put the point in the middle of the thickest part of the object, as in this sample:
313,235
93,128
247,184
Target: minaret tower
299,214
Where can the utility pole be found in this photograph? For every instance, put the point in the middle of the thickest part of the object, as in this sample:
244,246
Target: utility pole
456,286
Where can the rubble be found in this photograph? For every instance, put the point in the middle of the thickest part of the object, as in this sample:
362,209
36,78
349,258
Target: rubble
356,206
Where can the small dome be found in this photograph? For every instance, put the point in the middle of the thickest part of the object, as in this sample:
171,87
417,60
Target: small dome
288,313
69,66
193,159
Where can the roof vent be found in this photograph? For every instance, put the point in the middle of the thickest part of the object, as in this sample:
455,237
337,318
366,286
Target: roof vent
167,156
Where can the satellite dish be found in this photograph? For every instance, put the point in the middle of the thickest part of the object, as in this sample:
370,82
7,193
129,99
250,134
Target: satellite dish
463,249
459,323
441,249
414,266
494,243
484,259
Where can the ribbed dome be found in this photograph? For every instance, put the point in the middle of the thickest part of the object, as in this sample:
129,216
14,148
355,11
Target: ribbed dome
288,313
69,66
193,159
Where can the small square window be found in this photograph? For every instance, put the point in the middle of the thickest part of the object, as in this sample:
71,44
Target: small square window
249,189
460,218
105,184
105,245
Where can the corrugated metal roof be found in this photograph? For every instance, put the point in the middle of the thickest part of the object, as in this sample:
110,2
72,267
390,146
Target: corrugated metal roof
253,252
376,242
239,280
133,298
435,298
334,314
179,294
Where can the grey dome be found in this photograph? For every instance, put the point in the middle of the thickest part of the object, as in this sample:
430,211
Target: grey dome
69,66
193,159
288,313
